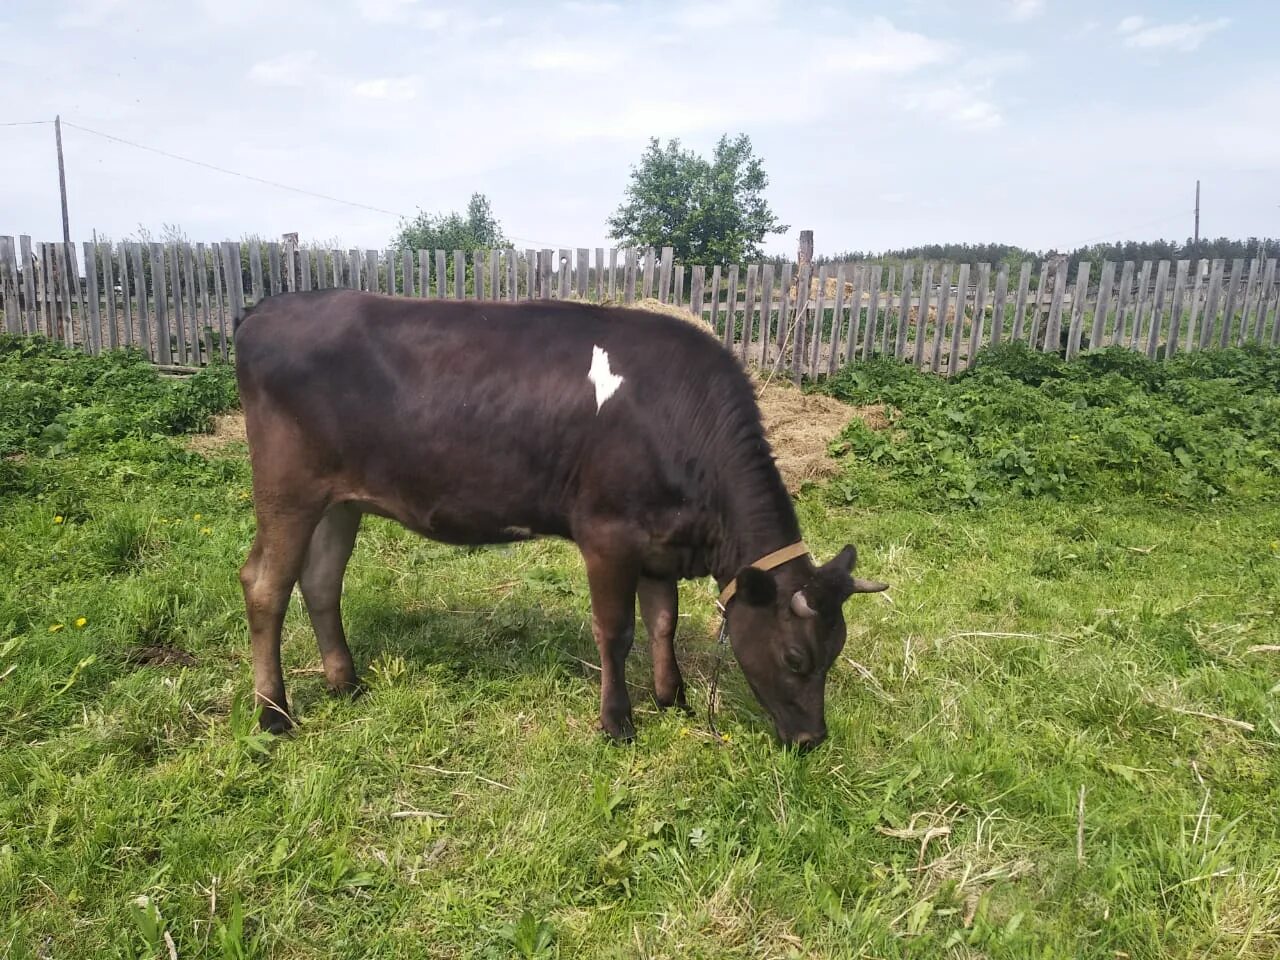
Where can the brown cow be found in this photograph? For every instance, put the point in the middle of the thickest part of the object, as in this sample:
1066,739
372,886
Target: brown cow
631,434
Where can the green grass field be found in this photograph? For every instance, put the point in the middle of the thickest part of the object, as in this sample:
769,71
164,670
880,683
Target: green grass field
1066,615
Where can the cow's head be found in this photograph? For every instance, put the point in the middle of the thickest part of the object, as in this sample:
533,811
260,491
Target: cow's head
786,631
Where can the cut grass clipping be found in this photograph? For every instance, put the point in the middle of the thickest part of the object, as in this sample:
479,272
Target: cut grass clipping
1054,737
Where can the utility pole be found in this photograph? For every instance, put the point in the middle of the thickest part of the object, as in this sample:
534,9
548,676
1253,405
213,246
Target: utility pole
1197,242
62,182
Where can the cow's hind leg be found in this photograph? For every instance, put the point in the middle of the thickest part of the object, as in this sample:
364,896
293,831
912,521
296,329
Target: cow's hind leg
268,576
321,581
658,608
613,622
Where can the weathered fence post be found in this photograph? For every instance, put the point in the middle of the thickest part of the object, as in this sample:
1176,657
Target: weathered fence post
748,313
875,276
9,286
1157,308
815,334
855,313
944,301
804,267
978,327
766,308
1077,308
922,315
732,305
94,320
837,322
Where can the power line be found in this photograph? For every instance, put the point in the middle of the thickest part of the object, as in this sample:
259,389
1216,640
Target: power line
25,123
232,173
269,183
546,245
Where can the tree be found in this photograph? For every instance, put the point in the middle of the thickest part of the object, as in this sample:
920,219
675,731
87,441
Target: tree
707,212
477,230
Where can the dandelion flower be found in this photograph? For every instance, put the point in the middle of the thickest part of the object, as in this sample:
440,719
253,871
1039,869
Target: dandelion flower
80,622
58,519
198,516
206,530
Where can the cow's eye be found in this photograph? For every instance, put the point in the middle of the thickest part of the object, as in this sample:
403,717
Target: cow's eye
794,660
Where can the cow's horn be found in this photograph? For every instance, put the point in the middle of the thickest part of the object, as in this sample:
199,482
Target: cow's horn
800,606
868,586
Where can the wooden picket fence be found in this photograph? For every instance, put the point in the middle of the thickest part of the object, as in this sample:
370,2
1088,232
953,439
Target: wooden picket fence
175,301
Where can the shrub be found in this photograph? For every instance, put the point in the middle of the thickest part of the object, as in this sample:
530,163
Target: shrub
1023,423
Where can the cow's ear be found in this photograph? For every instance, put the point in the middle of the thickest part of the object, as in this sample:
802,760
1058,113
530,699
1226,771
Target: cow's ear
757,588
832,583
844,561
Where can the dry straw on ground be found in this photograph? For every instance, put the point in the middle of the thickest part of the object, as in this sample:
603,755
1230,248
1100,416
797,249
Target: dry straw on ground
800,427
228,429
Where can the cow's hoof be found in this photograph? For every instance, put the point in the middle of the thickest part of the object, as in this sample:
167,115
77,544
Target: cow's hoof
274,721
675,700
347,688
622,731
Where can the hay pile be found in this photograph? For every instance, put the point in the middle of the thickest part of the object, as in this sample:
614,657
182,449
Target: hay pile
654,305
228,430
800,427
829,289
671,310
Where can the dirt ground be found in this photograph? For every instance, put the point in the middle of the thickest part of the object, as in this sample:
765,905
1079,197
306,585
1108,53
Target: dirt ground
228,430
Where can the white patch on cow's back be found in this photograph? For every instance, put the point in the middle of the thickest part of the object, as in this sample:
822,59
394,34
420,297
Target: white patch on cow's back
606,381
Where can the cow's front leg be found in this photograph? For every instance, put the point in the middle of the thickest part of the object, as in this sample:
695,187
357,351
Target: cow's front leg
613,615
659,601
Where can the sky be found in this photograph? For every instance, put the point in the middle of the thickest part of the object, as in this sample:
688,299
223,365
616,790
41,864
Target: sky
1043,123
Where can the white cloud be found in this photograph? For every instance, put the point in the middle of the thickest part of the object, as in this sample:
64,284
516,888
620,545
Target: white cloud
89,13
1185,36
643,118
425,16
390,89
959,104
991,65
235,14
1130,24
879,48
385,11
569,58
1022,10
591,8
286,70
708,14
